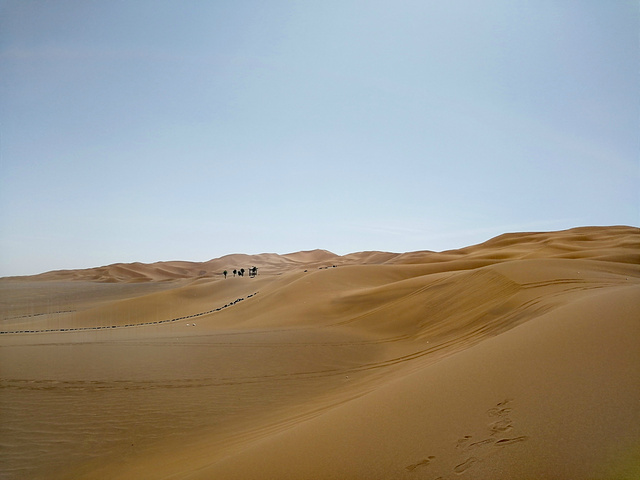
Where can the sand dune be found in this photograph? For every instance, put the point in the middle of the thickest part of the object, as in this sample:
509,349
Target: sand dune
163,271
515,358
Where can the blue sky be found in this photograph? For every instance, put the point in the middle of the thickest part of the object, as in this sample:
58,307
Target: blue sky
186,130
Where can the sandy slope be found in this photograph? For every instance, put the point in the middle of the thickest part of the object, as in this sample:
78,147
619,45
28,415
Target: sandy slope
516,358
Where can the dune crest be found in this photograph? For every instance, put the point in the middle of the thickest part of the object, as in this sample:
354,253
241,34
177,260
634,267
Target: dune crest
618,244
469,362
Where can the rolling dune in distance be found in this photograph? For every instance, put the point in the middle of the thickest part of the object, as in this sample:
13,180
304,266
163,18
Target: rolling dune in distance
515,358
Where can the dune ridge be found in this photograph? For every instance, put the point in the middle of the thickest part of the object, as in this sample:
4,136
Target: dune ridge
619,244
173,270
514,358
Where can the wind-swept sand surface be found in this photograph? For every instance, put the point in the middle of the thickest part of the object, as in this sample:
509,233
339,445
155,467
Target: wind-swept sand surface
516,358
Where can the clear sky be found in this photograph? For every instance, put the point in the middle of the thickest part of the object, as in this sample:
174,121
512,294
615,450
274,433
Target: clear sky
186,130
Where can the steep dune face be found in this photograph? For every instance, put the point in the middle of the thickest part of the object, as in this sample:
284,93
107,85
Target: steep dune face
515,358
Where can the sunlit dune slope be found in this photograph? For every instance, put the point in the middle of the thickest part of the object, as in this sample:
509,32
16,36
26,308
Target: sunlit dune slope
554,398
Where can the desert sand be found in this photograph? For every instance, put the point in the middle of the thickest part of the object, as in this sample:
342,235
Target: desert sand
518,358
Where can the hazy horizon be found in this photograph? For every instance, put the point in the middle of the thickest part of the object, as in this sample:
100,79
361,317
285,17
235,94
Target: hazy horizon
156,131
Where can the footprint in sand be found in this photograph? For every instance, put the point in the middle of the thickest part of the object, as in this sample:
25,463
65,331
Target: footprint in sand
466,465
463,441
501,409
498,412
510,441
503,425
422,463
481,443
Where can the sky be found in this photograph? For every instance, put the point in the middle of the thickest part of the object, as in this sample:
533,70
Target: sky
156,130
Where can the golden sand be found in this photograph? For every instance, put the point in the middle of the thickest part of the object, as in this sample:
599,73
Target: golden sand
515,358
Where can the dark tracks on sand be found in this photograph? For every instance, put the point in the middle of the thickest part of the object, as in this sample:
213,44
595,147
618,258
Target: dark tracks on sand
108,327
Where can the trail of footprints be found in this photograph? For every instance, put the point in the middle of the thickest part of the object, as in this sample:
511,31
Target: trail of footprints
473,451
170,320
